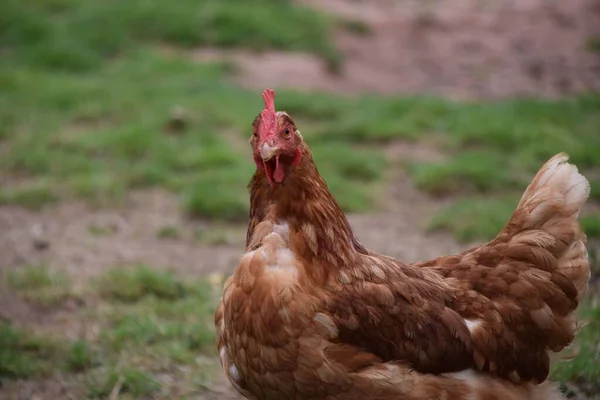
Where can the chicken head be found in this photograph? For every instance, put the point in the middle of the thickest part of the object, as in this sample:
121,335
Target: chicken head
275,141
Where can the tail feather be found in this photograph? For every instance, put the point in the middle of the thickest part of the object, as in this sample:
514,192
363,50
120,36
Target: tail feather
541,256
548,212
558,186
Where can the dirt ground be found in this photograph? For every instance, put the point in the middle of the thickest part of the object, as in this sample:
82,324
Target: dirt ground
460,49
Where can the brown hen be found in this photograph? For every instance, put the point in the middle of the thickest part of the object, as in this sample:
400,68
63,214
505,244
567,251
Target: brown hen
310,313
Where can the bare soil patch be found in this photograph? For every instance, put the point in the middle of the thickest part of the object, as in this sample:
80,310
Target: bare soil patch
461,49
85,241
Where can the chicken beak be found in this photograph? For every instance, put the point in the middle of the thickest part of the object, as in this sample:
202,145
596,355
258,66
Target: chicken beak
267,152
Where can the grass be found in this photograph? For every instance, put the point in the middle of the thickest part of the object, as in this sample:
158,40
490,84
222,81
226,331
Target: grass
476,171
143,304
154,338
132,284
218,234
129,380
470,219
80,356
98,230
591,225
585,368
148,323
99,135
71,146
89,114
40,33
25,355
593,44
152,322
168,232
40,284
33,196
480,217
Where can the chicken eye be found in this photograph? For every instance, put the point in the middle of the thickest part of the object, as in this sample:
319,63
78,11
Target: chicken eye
286,132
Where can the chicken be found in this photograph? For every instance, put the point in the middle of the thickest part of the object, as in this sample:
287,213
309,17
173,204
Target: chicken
310,313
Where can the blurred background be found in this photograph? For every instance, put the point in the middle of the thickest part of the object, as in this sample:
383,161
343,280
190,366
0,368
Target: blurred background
124,160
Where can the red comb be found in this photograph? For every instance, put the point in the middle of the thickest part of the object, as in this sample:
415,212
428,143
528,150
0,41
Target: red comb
268,119
269,98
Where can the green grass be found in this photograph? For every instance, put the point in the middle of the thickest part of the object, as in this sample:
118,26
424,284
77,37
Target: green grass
97,230
356,27
97,135
157,340
507,142
219,234
130,284
143,306
25,355
477,171
480,217
40,284
33,196
585,368
130,380
152,322
41,33
148,324
475,218
80,356
593,44
591,225
106,128
168,232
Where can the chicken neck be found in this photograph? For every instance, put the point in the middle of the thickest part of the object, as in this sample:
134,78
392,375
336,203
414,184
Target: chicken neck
304,202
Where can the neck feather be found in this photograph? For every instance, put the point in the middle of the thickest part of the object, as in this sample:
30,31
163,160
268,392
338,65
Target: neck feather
317,224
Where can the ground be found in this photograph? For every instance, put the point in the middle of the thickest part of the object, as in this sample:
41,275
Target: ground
107,255
464,49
